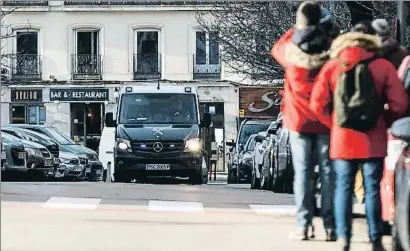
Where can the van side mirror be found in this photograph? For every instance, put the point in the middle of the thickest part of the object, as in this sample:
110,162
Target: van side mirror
230,143
401,129
206,120
109,120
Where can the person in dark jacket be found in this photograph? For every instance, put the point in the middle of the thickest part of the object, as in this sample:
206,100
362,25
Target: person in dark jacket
391,49
302,51
350,148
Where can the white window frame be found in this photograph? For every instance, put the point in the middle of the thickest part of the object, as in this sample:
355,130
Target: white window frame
27,29
206,46
133,29
87,30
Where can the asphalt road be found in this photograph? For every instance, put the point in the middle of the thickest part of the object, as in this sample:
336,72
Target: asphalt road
150,217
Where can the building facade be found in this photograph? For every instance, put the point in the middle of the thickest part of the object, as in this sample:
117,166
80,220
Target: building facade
66,60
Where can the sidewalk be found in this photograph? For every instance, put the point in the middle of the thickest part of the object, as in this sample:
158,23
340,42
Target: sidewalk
221,178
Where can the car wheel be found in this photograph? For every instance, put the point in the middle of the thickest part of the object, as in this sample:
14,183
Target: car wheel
255,183
396,243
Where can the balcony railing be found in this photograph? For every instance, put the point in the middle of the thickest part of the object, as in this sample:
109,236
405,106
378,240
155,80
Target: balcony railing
25,3
147,66
26,67
207,66
86,66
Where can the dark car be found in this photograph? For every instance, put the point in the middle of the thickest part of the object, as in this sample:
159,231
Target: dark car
245,158
3,156
39,138
247,128
15,162
40,162
401,227
87,157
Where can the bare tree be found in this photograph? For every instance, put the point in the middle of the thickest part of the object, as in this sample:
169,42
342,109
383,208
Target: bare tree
247,30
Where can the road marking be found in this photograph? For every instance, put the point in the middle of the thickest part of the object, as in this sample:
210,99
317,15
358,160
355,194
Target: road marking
71,203
273,209
175,206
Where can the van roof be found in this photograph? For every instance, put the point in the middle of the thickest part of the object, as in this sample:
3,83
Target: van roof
162,89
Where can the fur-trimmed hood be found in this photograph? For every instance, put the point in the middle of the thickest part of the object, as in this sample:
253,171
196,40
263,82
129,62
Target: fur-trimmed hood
294,55
355,39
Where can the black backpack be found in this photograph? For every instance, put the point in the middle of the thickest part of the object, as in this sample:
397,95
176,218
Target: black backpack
356,103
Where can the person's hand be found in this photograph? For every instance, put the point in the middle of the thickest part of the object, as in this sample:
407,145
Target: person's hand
386,107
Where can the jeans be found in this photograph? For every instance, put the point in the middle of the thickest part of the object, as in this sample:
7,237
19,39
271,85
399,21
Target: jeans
303,147
372,170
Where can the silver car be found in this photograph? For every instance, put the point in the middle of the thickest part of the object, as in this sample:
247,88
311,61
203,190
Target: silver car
71,166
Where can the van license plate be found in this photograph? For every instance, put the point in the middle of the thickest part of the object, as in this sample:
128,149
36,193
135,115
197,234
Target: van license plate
158,166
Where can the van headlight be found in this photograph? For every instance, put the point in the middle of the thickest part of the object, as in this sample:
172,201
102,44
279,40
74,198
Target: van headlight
123,144
193,145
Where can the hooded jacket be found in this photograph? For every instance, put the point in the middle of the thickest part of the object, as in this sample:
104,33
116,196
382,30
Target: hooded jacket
345,143
393,51
300,70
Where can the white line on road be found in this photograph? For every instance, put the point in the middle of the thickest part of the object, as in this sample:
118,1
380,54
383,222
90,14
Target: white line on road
72,203
175,206
273,209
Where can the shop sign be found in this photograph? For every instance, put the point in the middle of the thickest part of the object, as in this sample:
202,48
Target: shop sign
81,95
259,102
26,95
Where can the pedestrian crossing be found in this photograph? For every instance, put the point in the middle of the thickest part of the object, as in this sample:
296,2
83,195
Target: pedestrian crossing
74,203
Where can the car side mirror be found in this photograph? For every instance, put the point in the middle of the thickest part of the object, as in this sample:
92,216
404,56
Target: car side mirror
258,138
272,130
401,129
109,120
206,120
230,143
241,148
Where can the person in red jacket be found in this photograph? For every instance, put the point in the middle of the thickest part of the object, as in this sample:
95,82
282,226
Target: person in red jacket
350,148
302,51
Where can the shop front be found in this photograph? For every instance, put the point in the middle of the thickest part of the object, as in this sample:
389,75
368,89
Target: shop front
26,106
86,109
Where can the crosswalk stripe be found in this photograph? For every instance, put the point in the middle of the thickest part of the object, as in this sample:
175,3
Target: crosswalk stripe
72,203
273,209
175,206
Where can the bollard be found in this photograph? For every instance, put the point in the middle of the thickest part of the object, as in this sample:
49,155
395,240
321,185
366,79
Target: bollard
109,172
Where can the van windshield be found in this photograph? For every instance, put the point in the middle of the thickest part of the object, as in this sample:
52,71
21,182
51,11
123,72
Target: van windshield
158,108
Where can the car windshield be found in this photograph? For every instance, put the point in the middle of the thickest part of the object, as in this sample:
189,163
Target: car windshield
249,129
59,137
162,108
251,145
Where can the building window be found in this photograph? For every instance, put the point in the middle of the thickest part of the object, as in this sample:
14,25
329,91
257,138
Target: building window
26,62
147,56
87,60
207,55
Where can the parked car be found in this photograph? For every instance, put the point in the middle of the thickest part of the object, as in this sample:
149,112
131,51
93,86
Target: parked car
245,158
257,159
70,167
395,187
87,157
3,156
246,129
15,162
40,162
281,162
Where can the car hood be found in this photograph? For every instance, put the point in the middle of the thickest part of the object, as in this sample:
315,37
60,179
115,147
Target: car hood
79,150
68,155
157,132
30,144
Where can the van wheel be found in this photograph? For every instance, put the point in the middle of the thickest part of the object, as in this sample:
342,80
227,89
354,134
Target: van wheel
198,179
121,178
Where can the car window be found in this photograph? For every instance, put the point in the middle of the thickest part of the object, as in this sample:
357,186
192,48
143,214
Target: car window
249,129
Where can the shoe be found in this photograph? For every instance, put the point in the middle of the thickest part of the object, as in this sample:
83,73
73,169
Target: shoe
344,244
300,234
377,245
312,232
331,235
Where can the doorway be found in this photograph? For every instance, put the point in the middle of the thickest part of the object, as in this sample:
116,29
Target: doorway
87,123
216,133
